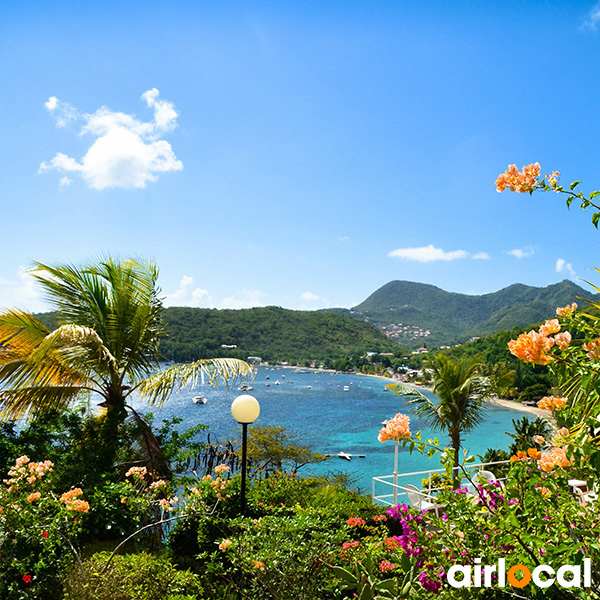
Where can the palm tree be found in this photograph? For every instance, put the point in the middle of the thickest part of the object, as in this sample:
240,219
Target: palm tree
107,344
524,432
461,393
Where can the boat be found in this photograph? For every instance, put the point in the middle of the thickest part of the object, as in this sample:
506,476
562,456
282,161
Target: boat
345,455
245,387
199,399
346,388
277,382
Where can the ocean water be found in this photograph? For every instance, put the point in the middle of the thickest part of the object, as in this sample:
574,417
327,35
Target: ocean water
329,419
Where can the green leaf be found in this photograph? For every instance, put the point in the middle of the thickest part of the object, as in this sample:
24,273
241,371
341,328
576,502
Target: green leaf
595,218
344,574
574,184
388,585
569,200
594,194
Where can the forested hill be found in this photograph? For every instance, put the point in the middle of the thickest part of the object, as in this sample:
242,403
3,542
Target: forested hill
271,333
450,317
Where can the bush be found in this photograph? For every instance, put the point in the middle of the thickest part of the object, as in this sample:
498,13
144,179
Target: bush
132,577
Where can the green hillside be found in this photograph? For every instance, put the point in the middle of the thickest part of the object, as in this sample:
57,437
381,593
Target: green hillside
447,318
272,333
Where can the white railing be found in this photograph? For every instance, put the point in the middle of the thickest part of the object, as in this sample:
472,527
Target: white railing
395,483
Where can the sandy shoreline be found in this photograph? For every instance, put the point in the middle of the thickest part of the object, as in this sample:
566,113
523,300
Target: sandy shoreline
510,404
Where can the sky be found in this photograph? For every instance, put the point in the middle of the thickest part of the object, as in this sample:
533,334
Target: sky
297,154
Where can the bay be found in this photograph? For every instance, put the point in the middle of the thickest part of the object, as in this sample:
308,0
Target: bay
316,406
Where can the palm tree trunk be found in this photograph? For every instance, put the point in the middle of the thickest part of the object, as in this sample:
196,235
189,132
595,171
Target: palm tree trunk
115,417
455,441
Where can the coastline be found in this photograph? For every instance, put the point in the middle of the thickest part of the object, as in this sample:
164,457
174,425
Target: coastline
510,404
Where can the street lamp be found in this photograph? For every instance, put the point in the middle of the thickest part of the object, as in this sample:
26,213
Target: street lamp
245,410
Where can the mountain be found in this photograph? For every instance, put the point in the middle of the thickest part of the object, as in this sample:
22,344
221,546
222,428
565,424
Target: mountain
418,313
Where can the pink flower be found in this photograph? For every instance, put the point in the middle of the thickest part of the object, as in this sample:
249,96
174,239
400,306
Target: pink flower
355,522
351,544
385,565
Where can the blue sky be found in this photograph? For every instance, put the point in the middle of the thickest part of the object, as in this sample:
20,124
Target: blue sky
299,154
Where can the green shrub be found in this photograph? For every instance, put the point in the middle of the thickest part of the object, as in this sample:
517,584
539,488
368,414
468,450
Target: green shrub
132,577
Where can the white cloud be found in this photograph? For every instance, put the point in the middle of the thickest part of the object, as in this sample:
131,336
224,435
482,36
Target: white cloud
593,18
65,182
309,296
127,153
343,238
562,266
428,254
62,112
481,256
187,295
244,299
522,252
22,292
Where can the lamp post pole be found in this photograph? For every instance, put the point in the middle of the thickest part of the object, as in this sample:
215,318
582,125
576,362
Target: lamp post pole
245,410
244,445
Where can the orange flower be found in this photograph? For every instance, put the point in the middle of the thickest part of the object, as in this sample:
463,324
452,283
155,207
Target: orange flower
593,348
532,347
68,496
259,565
552,403
544,492
519,456
566,310
533,453
396,429
557,457
562,340
549,327
33,497
352,544
519,182
553,179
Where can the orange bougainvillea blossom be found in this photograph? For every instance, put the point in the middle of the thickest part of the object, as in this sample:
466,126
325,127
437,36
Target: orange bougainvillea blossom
533,347
396,429
552,403
516,181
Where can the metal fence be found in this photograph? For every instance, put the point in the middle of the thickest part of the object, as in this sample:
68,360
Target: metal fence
395,484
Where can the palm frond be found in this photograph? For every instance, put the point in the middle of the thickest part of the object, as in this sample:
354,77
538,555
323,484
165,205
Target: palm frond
27,403
157,388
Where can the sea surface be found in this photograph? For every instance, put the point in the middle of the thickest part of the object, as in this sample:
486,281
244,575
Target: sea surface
315,406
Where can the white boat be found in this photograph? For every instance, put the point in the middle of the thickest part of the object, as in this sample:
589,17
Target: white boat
245,387
277,382
346,388
199,399
344,455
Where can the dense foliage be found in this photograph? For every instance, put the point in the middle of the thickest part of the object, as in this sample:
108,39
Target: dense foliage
271,333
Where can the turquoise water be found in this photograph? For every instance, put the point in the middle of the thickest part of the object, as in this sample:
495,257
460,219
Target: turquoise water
331,420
